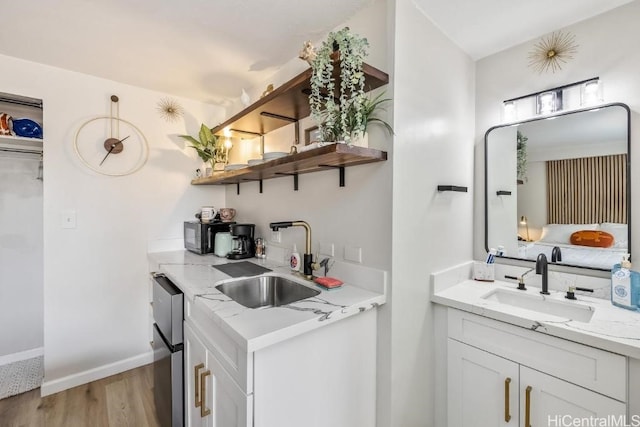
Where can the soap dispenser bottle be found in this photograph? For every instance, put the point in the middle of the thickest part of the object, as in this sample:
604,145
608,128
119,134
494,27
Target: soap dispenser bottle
623,293
294,261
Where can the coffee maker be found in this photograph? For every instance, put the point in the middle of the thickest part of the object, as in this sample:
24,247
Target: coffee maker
243,244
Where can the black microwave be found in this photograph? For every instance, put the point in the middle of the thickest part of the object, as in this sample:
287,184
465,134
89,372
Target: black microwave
199,237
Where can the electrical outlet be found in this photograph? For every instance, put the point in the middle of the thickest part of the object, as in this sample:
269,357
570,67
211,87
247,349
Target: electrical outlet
353,253
276,236
68,219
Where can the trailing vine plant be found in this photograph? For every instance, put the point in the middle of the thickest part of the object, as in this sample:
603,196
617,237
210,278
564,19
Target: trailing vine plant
521,152
331,108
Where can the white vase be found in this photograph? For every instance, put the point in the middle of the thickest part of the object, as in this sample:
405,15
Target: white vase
360,140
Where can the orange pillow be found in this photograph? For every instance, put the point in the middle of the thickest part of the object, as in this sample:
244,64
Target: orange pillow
594,238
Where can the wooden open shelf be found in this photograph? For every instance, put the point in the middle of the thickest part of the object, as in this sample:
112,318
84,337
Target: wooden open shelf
334,156
287,104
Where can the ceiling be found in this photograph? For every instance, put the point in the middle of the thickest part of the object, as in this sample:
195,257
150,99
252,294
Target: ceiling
210,50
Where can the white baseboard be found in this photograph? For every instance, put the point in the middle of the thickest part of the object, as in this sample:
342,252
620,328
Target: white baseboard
60,384
22,355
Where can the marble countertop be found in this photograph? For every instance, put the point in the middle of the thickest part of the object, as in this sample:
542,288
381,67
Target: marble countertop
253,329
610,328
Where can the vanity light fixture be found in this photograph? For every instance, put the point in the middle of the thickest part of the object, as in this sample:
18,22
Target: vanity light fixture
561,98
523,221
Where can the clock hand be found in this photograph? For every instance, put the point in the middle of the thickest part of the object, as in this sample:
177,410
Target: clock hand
114,145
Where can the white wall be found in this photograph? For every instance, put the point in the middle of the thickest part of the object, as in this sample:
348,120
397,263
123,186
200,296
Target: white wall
433,119
95,276
21,309
503,223
532,201
607,49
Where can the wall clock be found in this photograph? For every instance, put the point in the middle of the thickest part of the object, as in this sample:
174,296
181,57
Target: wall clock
111,145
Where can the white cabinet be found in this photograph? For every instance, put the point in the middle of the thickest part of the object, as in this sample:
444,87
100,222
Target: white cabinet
551,401
487,390
495,377
322,377
212,399
482,389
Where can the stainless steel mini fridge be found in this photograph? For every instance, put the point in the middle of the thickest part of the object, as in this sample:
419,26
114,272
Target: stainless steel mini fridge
168,389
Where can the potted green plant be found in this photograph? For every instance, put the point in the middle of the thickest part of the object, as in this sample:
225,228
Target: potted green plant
355,131
333,107
209,147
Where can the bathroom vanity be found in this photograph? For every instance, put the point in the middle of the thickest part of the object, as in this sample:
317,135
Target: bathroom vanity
310,362
517,358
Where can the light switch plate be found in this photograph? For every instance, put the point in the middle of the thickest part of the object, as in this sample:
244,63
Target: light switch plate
68,219
353,253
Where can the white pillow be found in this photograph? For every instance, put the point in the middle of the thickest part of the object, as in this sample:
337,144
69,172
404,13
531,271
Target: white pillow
561,233
619,232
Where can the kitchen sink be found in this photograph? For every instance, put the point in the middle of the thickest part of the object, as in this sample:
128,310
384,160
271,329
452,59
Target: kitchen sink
266,291
566,309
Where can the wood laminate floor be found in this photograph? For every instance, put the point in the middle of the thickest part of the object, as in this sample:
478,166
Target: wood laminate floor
124,399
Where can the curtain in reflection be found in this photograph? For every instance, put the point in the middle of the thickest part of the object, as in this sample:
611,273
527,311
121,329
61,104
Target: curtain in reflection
587,190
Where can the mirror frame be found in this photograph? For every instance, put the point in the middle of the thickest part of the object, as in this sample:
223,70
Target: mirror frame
560,114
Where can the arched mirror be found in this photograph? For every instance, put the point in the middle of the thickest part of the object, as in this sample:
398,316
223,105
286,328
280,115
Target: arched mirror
561,182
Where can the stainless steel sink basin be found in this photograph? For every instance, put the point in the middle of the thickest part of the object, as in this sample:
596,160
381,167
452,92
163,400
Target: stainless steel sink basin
266,291
566,309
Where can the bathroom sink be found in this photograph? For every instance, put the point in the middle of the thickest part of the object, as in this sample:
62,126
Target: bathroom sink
266,291
566,309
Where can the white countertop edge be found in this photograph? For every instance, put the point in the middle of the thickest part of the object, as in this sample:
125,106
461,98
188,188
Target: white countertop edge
225,316
266,340
538,322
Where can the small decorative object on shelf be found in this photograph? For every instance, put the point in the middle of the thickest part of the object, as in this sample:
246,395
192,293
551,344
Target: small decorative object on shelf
170,109
267,91
552,51
308,52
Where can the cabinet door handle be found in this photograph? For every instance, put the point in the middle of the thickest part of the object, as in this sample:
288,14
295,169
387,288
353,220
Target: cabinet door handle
507,414
527,407
203,388
196,385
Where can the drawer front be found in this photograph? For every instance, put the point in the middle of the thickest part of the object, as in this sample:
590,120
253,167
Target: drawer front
235,361
595,369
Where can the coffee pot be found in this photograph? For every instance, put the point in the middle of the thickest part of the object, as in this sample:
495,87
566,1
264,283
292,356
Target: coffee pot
243,244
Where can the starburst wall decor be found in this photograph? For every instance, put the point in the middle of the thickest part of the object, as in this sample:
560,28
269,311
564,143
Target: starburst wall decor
551,52
169,109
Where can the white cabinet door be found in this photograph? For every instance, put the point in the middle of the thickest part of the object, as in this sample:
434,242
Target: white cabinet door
212,397
195,356
482,388
546,400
